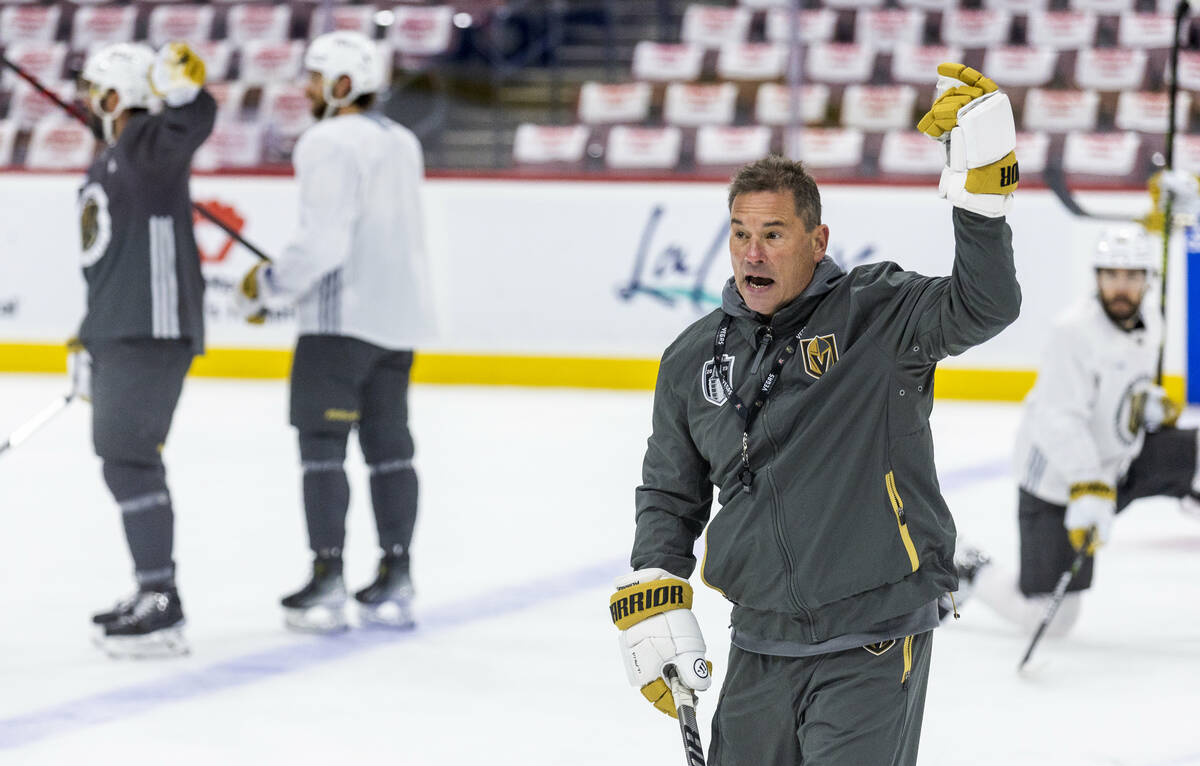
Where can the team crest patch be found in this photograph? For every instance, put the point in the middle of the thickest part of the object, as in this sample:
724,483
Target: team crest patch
819,354
880,647
710,384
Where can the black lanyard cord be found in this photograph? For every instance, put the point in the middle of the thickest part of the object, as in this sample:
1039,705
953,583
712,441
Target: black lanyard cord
749,413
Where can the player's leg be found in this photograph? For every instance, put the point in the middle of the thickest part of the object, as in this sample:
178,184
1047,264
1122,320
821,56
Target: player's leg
135,388
387,445
756,718
325,405
1166,466
865,705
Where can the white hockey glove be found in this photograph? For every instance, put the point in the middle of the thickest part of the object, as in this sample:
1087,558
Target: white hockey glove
653,610
1152,409
1183,189
249,300
975,121
177,75
79,370
1091,508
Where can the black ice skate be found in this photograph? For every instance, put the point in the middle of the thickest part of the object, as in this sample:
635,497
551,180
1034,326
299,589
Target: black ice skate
388,600
320,606
968,561
151,627
119,610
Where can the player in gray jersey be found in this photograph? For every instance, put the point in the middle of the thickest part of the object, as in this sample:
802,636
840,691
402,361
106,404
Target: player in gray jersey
356,272
144,319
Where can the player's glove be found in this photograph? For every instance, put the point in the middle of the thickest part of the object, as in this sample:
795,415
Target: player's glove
975,121
1152,409
653,610
79,370
1091,509
177,74
1183,189
249,300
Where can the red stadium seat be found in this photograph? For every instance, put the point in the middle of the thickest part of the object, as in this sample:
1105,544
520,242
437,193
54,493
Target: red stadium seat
752,61
28,23
355,18
975,28
543,144
909,152
1103,7
928,5
1112,156
44,61
773,105
1110,69
1147,112
1060,111
285,109
662,62
1189,70
265,62
193,23
817,25
99,25
828,149
59,143
729,146
1061,30
1017,6
422,31
631,148
1145,30
886,29
917,64
1187,153
853,4
29,107
712,26
601,103
231,145
247,22
879,108
229,97
8,136
691,105
1032,150
1020,66
216,54
841,63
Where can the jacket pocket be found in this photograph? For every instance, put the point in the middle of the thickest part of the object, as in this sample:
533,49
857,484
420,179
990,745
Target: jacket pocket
889,480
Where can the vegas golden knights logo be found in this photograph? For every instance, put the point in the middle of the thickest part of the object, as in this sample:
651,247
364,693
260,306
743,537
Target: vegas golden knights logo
819,354
880,647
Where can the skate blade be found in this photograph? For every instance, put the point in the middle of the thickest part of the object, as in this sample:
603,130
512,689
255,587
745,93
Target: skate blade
389,614
168,642
316,619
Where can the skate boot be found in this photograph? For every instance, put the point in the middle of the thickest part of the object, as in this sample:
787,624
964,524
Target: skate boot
388,600
152,627
119,610
968,561
320,606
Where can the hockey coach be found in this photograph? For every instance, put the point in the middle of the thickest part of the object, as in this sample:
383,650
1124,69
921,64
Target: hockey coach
805,400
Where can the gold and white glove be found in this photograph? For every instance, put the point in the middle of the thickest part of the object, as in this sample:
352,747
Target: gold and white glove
1183,189
974,119
249,299
1151,408
177,75
1091,509
653,610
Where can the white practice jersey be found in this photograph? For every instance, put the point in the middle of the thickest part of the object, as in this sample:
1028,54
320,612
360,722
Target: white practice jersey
1077,425
357,265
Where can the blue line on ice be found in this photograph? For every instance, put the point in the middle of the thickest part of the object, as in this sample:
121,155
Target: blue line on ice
134,700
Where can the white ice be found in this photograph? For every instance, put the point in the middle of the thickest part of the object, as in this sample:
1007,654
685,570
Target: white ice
526,515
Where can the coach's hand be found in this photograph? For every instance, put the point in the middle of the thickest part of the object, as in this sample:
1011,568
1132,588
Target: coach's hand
1091,508
653,610
975,121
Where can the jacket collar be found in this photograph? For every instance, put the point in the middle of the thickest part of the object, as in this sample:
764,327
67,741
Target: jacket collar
789,318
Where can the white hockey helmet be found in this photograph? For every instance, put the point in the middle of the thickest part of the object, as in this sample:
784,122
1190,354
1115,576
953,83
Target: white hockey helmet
345,53
1127,247
124,68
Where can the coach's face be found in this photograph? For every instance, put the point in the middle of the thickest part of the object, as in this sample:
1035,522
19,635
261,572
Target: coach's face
774,254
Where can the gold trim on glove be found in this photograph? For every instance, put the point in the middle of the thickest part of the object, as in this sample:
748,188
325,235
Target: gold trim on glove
632,604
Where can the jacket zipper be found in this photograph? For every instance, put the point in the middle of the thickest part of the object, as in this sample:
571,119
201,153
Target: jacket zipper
889,479
777,518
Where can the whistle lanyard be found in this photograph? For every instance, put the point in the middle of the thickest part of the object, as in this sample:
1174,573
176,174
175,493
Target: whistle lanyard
749,413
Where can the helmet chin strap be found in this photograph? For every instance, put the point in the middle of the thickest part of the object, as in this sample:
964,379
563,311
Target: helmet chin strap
107,119
332,103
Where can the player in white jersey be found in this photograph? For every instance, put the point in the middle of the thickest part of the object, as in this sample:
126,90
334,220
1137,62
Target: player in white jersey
1096,434
356,271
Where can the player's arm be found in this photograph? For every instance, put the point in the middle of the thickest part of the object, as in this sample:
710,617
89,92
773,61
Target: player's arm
328,180
189,112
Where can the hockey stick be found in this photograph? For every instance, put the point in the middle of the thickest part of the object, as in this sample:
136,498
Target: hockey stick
36,422
75,112
1060,593
685,708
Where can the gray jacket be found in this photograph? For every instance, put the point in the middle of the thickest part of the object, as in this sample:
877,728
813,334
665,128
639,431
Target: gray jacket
139,252
844,525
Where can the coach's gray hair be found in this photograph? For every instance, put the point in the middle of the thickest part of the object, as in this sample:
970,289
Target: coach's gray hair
775,173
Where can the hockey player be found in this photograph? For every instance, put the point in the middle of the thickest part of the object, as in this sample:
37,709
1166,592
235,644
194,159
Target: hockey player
144,319
356,271
1096,434
805,399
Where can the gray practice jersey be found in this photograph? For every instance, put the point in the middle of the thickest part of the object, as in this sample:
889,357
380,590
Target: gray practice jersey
139,252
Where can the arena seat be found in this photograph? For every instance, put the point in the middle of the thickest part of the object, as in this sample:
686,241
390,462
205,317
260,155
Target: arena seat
1060,111
773,104
59,143
879,108
193,23
665,62
712,26
544,144
29,23
101,25
601,103
885,29
725,146
691,105
642,148
909,152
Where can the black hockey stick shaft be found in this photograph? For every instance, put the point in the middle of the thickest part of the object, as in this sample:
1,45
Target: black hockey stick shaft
685,708
75,112
37,421
1060,593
